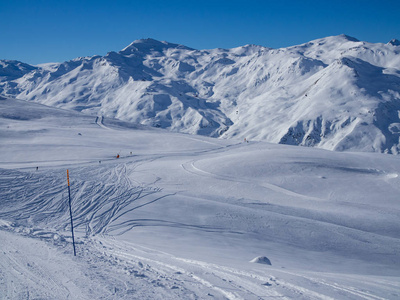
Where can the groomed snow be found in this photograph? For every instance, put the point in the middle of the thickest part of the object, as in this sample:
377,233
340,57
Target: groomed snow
178,216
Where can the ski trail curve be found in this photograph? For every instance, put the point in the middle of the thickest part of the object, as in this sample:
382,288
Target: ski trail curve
191,168
100,122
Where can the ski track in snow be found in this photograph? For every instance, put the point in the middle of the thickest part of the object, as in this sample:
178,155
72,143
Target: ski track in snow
105,197
32,276
228,282
95,204
127,270
191,168
38,202
99,121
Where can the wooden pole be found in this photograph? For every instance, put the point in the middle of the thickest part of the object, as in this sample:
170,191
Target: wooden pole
70,213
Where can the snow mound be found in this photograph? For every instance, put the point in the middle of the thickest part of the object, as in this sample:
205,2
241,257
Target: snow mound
261,260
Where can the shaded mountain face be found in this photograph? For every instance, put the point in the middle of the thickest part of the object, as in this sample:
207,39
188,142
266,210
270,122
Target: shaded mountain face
335,93
12,69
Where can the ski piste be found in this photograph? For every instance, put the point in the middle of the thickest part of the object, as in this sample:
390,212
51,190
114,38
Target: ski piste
179,216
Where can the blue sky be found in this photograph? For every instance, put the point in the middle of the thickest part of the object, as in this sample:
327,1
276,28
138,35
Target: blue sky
38,31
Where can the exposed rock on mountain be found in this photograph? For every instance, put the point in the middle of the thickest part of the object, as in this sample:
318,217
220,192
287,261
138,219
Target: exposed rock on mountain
335,93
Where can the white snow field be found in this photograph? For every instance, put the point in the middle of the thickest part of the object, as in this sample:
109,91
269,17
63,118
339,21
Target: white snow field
178,216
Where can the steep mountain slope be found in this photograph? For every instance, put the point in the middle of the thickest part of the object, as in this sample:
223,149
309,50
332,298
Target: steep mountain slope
335,93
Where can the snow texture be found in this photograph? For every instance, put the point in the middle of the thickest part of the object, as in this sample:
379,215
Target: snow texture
335,93
180,216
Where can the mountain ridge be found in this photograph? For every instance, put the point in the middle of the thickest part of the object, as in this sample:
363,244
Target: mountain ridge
335,93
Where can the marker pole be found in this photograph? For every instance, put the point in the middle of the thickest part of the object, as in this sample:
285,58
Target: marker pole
70,213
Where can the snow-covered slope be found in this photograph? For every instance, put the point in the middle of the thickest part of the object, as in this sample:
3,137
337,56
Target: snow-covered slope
335,93
178,216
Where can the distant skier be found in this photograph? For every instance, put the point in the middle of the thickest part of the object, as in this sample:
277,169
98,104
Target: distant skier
37,168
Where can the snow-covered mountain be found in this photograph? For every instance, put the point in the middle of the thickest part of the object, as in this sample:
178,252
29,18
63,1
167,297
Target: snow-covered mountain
335,93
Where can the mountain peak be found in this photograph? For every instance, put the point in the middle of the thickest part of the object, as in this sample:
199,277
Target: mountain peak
326,93
13,69
394,42
150,45
349,38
